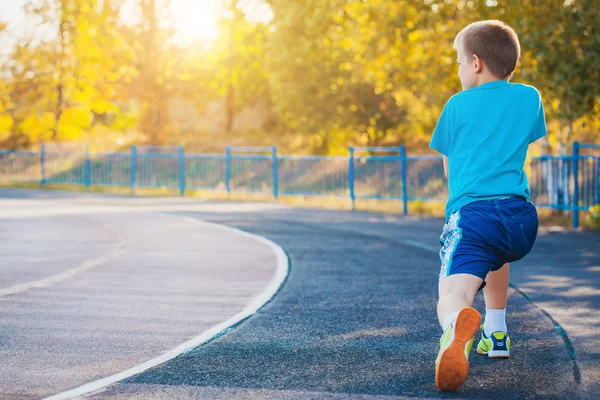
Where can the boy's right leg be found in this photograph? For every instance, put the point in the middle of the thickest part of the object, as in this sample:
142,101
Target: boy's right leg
455,293
460,323
466,259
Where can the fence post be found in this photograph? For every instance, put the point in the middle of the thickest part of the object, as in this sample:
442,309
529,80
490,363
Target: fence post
133,168
404,180
351,176
598,176
228,170
87,168
181,159
275,177
575,206
42,164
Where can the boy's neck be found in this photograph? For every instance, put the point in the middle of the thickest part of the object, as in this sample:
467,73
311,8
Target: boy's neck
486,77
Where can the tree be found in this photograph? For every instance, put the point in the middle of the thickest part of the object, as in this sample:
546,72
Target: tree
379,71
237,62
565,64
59,86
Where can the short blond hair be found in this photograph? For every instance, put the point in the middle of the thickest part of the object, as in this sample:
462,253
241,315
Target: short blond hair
496,43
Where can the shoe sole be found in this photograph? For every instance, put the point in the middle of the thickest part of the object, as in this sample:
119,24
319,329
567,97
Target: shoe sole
495,354
453,367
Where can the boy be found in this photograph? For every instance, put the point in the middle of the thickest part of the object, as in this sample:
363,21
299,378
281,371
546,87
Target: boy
483,134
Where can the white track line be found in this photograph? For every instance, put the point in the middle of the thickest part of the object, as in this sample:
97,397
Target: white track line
422,246
266,295
22,287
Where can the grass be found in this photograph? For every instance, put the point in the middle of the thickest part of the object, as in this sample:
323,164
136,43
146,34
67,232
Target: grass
433,209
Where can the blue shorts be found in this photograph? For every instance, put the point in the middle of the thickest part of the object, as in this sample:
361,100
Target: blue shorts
484,235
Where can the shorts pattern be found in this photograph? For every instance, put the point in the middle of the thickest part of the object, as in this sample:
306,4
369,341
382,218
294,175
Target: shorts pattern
450,238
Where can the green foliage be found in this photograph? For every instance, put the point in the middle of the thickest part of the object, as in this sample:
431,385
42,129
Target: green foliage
564,56
593,219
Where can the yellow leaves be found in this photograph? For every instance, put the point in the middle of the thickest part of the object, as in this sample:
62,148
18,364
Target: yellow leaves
112,77
125,121
73,121
339,16
84,8
184,76
69,132
103,106
83,94
415,36
38,127
6,123
235,77
346,44
346,66
354,9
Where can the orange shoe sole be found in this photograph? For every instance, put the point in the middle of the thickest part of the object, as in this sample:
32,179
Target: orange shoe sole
453,368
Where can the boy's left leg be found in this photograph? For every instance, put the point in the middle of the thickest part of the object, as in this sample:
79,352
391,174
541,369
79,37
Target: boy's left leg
496,289
460,323
495,342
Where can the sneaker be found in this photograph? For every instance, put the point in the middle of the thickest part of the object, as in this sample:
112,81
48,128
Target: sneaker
497,345
452,364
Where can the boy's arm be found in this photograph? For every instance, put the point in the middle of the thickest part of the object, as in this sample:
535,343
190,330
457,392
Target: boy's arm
445,166
440,140
539,130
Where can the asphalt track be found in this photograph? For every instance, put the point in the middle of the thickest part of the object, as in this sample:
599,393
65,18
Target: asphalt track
355,318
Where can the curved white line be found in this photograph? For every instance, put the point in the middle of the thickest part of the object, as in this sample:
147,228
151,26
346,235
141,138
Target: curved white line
266,295
22,287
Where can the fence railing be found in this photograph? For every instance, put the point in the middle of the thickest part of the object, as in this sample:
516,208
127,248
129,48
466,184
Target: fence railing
557,182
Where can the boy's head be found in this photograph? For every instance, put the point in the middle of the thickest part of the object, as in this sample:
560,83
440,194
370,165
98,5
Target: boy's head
487,50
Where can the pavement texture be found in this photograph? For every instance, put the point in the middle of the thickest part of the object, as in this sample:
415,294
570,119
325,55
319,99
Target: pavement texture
356,316
87,295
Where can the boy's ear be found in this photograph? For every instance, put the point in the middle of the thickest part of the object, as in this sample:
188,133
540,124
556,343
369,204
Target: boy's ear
477,63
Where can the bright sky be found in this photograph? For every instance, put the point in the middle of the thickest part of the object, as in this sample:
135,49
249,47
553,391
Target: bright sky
11,13
196,19
193,19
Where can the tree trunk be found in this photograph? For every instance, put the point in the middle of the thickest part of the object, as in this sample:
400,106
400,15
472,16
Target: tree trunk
230,104
149,123
62,30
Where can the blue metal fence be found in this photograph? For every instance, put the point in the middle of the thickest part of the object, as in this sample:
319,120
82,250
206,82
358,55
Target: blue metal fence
566,182
313,175
367,173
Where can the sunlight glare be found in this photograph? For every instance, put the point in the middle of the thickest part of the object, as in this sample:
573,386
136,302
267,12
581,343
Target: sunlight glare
196,19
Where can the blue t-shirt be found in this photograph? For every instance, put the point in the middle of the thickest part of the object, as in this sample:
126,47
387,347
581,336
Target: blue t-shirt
485,132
